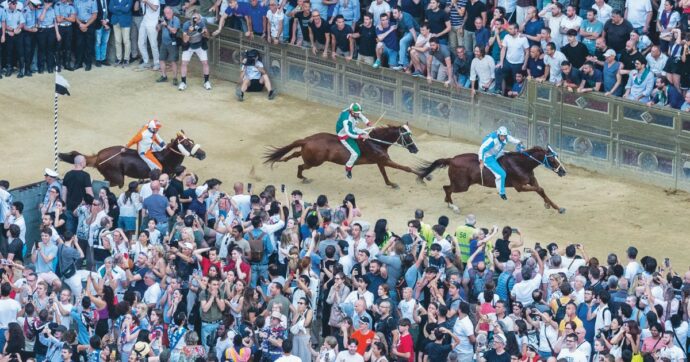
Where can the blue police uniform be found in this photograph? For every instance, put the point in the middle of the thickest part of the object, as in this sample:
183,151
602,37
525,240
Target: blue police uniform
29,38
86,40
46,38
14,44
65,10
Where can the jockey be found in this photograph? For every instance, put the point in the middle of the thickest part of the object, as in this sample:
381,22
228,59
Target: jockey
349,133
491,150
145,139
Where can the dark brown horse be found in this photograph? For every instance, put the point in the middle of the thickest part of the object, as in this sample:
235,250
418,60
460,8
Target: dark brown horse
114,166
463,172
325,147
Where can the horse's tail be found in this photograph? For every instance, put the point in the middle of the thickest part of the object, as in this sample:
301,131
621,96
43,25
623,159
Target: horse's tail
427,168
276,154
69,158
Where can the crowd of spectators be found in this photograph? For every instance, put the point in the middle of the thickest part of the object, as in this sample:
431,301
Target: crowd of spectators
178,269
637,49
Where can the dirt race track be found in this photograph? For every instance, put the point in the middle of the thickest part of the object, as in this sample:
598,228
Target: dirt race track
107,105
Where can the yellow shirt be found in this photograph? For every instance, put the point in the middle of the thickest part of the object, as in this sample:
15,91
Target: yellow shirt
576,320
463,234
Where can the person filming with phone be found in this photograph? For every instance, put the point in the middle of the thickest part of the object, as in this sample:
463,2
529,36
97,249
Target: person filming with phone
253,76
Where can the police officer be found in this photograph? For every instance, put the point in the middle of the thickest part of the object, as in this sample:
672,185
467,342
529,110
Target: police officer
87,11
30,33
48,35
66,16
14,46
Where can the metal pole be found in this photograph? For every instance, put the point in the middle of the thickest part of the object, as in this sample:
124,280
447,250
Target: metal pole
55,134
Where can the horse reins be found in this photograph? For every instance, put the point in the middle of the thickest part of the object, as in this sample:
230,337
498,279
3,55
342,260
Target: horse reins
546,162
401,138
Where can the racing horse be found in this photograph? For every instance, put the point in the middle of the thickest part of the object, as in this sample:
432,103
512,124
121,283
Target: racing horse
115,165
464,171
325,147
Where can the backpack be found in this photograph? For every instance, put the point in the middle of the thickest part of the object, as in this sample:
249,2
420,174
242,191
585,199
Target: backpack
477,283
560,311
256,248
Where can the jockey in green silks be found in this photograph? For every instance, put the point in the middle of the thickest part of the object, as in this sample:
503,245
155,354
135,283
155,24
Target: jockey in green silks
348,133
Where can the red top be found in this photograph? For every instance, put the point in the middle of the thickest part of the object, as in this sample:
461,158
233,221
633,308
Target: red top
206,264
244,267
405,345
363,340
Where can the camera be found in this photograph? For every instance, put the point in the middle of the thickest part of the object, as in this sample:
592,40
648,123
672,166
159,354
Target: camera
222,194
250,57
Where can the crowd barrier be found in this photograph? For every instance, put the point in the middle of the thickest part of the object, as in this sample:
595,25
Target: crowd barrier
31,196
605,134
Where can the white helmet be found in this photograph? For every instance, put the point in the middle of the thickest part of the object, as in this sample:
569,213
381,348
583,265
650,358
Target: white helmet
502,131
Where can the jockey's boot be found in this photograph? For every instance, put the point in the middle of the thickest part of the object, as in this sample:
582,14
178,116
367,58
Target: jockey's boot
348,173
504,197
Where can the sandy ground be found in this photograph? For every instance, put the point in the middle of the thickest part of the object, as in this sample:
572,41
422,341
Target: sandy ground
107,105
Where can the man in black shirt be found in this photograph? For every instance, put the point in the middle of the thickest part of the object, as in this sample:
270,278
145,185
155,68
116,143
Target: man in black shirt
498,353
617,31
575,51
474,9
366,33
300,23
437,350
628,58
439,22
461,67
75,185
319,34
342,43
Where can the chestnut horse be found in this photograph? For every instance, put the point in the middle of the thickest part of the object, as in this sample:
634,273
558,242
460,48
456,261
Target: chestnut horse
463,172
114,165
325,147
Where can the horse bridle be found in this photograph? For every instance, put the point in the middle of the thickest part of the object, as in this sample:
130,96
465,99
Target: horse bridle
182,151
400,141
545,162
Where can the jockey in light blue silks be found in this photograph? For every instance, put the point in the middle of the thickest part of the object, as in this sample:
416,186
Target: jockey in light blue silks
491,150
349,133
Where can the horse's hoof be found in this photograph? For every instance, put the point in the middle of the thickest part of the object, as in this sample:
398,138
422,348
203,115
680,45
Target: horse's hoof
306,180
547,206
395,186
428,178
420,181
561,210
454,208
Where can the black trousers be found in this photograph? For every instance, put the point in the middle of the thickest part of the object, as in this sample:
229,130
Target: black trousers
29,45
46,40
14,50
64,46
86,41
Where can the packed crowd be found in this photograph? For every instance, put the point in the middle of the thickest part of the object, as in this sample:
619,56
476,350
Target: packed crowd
177,269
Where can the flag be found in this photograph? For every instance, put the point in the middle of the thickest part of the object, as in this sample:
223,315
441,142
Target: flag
61,85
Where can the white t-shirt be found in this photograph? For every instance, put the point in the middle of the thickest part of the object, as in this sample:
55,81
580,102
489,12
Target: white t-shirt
523,290
150,16
22,226
554,23
637,12
603,319
674,353
569,23
345,356
515,48
585,348
681,332
463,328
572,265
152,294
275,19
289,358
547,335
554,63
65,320
603,13
576,356
8,311
632,269
407,308
377,10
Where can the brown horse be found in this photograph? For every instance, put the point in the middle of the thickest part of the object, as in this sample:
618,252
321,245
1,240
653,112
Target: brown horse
114,165
519,167
325,147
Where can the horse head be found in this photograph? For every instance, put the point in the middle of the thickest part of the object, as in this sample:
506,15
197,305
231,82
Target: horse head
187,147
548,158
405,139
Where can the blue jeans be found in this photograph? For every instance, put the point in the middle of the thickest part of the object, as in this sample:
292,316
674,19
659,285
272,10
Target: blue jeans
507,74
392,56
257,271
207,329
464,81
286,22
492,164
71,221
162,228
405,43
102,36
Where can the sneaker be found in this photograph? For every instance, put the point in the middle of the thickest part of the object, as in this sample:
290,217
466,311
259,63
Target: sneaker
98,64
145,66
162,79
125,63
377,63
398,67
417,74
174,82
207,85
182,86
239,94
504,197
156,67
348,174
271,94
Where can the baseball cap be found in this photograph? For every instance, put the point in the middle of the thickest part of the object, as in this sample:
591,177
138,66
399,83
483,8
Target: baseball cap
200,190
188,246
609,53
364,319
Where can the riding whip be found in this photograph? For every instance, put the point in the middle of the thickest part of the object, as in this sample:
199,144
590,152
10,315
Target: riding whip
377,121
481,174
110,158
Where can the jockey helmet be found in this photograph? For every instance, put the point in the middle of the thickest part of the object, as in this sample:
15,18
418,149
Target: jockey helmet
154,125
356,108
502,131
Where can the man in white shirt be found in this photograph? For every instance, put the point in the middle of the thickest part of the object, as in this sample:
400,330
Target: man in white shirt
514,55
148,30
603,10
657,61
275,16
570,21
522,291
570,352
287,353
377,8
553,16
350,355
153,292
555,266
603,312
570,260
671,350
583,345
464,329
9,310
17,218
639,14
633,268
553,60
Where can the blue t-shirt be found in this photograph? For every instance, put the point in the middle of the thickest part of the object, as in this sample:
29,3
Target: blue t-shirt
473,247
591,80
517,87
390,41
536,67
595,27
257,13
156,206
482,37
242,9
533,28
166,37
47,250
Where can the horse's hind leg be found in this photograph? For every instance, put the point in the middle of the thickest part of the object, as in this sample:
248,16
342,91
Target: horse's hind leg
382,169
449,200
293,155
301,169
